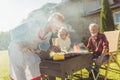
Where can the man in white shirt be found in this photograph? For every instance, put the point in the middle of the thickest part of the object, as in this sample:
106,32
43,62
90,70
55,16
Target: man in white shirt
28,40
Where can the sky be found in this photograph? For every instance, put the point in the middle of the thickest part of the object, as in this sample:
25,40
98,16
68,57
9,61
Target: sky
12,12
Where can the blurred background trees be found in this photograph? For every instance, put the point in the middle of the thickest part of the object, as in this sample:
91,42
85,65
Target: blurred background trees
4,40
106,17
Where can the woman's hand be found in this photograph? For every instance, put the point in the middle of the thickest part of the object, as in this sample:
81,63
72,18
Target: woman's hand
56,49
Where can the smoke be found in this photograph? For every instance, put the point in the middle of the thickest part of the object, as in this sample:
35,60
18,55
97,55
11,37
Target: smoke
73,11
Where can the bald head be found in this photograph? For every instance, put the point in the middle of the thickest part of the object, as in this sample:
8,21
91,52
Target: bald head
56,16
55,21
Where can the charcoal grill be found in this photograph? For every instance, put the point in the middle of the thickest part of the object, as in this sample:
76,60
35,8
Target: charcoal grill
73,62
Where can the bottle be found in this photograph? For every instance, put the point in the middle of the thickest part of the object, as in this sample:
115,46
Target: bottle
78,48
75,48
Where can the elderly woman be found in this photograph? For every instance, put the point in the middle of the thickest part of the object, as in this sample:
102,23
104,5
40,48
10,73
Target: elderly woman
63,41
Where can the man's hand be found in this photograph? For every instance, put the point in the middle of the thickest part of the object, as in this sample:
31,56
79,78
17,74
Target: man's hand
38,51
99,60
105,52
27,49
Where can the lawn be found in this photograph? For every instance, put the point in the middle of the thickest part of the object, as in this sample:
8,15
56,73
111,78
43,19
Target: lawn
4,65
4,69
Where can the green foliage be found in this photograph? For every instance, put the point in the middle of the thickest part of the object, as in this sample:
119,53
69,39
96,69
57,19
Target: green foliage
4,65
4,40
106,17
118,26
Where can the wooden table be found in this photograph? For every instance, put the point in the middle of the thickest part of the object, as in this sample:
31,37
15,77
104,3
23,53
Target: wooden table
65,67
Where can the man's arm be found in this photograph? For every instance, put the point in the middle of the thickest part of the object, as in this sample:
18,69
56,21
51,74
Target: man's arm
89,45
105,50
105,46
25,48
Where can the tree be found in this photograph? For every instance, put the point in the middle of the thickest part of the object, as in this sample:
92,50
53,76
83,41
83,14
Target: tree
4,40
106,17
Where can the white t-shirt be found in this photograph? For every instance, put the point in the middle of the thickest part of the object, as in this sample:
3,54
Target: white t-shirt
28,35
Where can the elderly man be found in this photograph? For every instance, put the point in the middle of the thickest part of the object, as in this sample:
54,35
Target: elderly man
26,42
98,45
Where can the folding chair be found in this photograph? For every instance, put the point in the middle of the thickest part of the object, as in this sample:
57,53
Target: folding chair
113,39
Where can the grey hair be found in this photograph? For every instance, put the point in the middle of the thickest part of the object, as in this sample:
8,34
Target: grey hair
61,29
93,25
56,15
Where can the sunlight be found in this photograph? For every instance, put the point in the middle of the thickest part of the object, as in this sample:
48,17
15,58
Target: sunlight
14,11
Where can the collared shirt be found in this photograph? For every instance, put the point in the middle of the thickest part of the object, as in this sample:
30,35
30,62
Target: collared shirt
97,43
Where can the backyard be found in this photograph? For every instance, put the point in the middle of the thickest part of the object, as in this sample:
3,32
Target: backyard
4,65
4,69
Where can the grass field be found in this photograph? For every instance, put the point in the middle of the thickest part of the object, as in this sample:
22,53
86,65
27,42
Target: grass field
4,65
4,69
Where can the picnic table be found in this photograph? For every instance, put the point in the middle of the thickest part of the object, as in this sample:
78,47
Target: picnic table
73,62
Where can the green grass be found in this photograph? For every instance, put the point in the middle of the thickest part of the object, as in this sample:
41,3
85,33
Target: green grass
4,69
4,65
